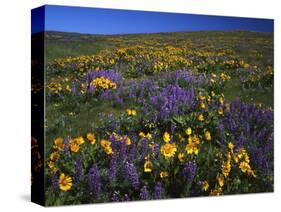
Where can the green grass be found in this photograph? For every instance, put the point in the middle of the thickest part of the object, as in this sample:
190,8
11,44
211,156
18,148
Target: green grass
233,91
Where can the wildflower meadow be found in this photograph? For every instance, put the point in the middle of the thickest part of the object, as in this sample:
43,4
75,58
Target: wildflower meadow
157,116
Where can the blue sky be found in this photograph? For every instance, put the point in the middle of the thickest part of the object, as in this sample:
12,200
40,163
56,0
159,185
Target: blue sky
110,21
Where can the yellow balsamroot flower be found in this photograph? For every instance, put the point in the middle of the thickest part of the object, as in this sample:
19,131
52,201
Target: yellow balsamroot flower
244,166
67,88
207,135
220,180
181,157
221,100
111,61
205,185
129,112
59,144
220,110
227,107
166,137
231,146
226,168
188,131
216,191
80,140
202,106
191,148
164,174
128,141
242,154
213,93
148,166
54,156
108,150
214,75
209,99
194,139
168,150
251,172
246,65
65,182
74,145
52,166
202,98
91,138
149,136
141,134
200,117
106,145
134,112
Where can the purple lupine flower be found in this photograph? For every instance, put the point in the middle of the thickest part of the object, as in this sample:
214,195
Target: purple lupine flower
144,195
172,100
66,143
118,100
156,150
94,181
144,148
133,148
189,171
131,173
115,198
54,181
79,170
133,87
113,167
158,191
123,148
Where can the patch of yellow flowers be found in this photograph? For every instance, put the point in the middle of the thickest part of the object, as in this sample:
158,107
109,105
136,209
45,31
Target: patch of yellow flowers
104,83
168,150
241,158
131,112
192,146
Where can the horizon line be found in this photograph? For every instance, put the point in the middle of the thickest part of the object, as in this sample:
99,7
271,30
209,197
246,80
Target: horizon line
147,33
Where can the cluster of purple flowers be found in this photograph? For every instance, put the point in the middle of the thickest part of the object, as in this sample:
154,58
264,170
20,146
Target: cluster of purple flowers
79,170
132,175
144,194
158,191
94,181
251,127
172,100
189,171
54,182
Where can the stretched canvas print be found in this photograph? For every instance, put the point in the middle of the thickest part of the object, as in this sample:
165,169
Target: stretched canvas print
134,105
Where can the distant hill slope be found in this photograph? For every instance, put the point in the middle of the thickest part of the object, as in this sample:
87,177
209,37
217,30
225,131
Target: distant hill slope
61,44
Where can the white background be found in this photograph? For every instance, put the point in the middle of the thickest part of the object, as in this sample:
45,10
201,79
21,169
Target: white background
15,103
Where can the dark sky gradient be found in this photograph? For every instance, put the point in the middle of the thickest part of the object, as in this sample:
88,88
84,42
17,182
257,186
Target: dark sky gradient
110,21
37,20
